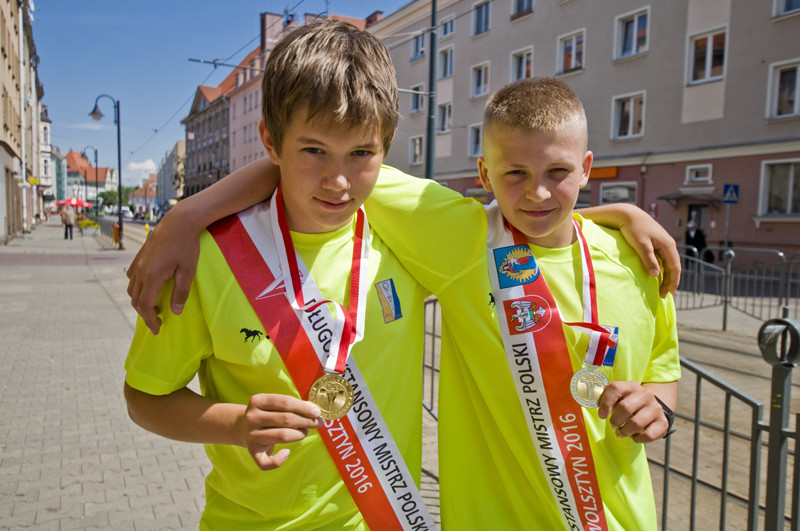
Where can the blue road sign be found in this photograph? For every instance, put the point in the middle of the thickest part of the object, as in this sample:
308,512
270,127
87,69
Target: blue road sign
730,193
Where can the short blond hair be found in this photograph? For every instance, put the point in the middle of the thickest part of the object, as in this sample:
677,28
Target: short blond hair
535,104
338,73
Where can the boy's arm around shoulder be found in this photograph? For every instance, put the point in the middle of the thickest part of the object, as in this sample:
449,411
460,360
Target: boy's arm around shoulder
434,232
172,248
646,236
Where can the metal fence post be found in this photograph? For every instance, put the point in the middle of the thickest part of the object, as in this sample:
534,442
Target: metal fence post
779,341
726,287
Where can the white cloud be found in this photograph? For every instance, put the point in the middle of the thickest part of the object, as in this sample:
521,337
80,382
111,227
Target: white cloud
136,172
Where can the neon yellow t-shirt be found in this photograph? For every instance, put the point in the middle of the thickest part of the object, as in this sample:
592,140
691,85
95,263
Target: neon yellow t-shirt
214,337
490,477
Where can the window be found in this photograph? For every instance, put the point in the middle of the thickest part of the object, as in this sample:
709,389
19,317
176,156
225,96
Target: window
632,34
480,80
446,63
480,18
444,118
621,192
522,64
698,174
418,47
415,150
780,188
707,57
475,146
785,90
417,98
570,52
448,27
785,7
629,116
521,7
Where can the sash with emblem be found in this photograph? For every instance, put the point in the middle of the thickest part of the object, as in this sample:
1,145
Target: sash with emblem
538,356
257,247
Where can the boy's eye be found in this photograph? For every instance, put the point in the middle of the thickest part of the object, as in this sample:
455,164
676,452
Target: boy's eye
313,150
362,153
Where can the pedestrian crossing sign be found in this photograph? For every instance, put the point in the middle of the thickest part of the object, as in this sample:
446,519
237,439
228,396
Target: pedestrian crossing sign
730,193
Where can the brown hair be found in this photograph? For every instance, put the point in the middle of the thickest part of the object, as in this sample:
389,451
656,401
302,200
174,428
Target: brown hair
535,104
330,68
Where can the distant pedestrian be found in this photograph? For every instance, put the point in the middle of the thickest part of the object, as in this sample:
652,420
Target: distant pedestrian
696,238
68,220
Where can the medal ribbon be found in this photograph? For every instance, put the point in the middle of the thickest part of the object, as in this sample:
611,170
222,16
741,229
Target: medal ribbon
603,339
539,360
386,496
349,325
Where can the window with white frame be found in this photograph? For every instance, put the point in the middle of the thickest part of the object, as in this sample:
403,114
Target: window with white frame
570,52
522,64
448,27
780,188
475,145
632,33
481,18
707,57
415,150
699,174
480,80
785,89
629,116
446,63
418,47
521,7
618,192
444,118
786,7
417,98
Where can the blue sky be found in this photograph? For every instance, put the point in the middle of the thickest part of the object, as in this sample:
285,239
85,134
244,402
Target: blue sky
138,52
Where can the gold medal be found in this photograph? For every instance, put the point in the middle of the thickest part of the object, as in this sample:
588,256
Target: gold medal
333,394
587,385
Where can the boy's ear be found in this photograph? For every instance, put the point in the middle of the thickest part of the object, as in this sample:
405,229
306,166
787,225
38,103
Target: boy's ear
587,167
267,140
483,171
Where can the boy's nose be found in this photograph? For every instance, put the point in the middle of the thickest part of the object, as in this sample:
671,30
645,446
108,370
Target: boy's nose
335,177
537,191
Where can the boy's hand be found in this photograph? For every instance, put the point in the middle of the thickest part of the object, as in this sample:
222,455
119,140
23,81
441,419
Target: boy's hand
655,249
275,419
170,251
632,410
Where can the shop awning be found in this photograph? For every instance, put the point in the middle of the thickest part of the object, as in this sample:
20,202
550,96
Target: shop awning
673,199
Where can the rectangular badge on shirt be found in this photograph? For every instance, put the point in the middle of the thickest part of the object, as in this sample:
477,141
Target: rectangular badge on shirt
390,302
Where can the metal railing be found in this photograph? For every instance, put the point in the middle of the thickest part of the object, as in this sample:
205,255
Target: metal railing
765,283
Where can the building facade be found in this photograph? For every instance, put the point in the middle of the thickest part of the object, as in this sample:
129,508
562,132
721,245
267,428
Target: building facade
685,100
171,176
19,139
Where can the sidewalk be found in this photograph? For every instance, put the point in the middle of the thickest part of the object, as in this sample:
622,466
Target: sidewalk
69,456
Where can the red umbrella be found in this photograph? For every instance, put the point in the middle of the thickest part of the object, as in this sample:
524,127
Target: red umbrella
74,202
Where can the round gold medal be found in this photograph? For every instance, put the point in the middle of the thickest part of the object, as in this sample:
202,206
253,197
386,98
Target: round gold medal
333,394
587,385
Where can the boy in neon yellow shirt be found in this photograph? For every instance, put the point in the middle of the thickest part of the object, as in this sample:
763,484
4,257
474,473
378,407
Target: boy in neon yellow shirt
497,479
287,306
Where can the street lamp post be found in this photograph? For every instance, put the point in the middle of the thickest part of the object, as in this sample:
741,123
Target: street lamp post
97,115
95,178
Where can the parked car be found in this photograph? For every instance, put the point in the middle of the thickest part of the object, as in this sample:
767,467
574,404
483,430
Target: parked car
126,213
